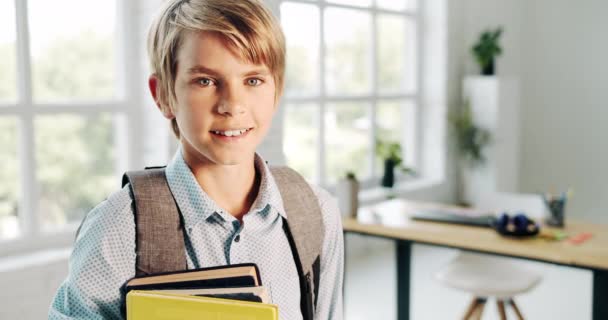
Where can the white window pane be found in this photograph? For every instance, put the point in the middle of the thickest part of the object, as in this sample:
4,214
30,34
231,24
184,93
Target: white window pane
358,3
9,179
389,120
409,5
396,54
391,53
8,56
411,56
348,47
347,142
75,166
73,55
301,24
301,134
395,122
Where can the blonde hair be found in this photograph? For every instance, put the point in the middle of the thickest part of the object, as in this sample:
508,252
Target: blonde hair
248,27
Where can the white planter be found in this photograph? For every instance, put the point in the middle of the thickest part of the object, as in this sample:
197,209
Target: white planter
347,192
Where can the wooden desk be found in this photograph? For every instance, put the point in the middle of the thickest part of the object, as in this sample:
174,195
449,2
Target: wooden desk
391,220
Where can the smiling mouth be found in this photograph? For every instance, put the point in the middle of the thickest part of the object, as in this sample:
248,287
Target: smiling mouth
231,133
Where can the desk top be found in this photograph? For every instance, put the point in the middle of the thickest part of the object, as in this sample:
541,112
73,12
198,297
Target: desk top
390,219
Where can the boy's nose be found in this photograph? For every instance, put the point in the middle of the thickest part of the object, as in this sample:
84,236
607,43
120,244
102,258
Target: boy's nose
231,103
226,107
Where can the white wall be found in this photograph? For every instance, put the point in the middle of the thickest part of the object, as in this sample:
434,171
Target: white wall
557,49
565,103
28,284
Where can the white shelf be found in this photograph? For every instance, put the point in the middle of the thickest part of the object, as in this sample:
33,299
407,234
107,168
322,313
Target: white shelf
494,103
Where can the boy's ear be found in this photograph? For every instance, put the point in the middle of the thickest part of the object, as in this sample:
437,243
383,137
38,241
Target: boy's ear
154,85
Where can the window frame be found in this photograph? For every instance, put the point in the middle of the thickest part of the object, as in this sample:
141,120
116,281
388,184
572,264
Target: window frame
322,98
24,109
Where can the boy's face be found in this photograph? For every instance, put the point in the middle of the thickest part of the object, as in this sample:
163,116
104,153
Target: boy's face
224,105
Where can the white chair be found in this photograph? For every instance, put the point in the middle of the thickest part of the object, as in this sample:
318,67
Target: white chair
487,276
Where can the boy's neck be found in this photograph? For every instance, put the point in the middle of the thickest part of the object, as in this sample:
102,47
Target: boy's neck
234,188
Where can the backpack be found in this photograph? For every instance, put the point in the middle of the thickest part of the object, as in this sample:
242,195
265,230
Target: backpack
159,228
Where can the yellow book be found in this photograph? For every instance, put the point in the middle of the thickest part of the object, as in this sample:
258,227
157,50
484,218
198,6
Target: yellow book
154,305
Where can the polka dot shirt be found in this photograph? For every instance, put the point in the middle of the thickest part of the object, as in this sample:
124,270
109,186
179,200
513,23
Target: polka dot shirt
103,257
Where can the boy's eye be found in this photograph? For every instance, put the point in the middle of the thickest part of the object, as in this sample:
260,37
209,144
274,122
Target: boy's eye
254,82
205,82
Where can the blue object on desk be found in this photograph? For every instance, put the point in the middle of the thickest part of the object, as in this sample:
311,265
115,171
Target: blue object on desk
516,226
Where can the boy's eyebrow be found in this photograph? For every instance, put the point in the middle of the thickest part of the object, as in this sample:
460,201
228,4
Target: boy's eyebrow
257,71
202,69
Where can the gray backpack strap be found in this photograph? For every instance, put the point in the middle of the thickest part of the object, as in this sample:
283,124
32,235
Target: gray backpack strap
305,231
158,223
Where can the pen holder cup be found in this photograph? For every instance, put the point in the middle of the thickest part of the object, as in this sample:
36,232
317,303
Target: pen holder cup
556,212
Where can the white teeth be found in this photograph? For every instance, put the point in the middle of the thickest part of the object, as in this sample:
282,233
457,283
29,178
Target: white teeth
231,133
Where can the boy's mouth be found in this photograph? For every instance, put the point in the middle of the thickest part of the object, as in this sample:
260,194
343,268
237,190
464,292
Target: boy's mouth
232,132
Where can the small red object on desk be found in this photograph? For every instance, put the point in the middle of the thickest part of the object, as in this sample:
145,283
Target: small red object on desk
580,238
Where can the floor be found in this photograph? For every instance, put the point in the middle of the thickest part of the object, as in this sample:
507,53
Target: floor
564,293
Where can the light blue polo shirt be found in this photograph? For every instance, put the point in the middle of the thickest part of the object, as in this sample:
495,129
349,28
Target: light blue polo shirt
104,252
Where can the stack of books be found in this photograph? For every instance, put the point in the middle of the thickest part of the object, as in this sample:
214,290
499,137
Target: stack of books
225,292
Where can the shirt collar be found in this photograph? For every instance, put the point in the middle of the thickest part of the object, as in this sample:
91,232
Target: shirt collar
269,193
197,206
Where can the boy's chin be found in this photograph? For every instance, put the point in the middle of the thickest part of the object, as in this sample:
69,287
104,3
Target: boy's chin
211,155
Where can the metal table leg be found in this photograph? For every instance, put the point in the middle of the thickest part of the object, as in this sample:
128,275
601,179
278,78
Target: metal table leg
404,253
600,294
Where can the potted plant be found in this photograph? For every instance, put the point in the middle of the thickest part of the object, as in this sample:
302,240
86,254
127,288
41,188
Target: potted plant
471,141
390,153
487,49
470,138
347,192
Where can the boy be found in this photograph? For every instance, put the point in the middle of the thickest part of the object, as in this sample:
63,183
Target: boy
217,75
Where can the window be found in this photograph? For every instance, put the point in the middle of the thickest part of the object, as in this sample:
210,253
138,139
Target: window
62,106
351,79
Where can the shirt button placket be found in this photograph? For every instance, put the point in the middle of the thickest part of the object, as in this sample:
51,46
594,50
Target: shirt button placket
239,252
236,247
